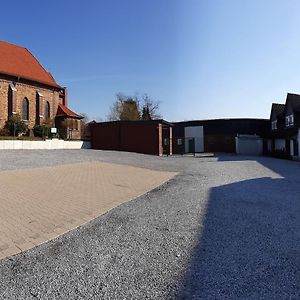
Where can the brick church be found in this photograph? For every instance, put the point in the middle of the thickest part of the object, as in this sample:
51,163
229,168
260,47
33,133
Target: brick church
27,89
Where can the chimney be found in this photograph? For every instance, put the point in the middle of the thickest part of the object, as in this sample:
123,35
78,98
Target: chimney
65,100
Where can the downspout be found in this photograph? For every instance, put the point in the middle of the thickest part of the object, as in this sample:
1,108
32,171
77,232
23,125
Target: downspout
53,116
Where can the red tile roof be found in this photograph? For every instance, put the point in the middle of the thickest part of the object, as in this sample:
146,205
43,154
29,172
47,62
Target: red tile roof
64,111
18,61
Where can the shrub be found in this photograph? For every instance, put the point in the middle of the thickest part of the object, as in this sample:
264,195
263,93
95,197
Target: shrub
16,126
281,154
4,132
42,130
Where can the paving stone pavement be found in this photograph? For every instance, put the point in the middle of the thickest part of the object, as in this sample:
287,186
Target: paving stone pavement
42,203
226,227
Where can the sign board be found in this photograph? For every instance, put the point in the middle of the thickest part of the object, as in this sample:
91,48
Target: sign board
53,130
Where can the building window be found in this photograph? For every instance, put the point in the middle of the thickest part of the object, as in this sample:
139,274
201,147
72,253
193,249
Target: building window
274,125
47,110
11,99
179,142
25,109
289,120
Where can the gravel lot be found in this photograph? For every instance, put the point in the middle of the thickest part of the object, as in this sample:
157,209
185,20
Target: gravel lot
224,228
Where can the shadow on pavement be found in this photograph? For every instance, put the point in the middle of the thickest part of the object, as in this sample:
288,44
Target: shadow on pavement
249,247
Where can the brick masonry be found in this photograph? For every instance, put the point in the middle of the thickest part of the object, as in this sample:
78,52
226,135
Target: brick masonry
30,92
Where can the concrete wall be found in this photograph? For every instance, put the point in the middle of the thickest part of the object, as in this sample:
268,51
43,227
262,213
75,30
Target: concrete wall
47,144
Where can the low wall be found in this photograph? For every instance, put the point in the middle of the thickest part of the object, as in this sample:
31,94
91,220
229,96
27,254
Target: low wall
47,144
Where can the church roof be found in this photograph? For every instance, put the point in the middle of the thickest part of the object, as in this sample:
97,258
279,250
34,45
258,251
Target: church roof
63,111
19,62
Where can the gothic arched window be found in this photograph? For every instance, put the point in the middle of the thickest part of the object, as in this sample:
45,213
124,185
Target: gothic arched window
47,110
25,109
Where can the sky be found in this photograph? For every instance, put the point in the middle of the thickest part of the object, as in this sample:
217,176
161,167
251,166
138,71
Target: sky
201,59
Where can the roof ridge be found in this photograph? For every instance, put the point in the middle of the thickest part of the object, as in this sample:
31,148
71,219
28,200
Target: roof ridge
15,45
20,62
293,94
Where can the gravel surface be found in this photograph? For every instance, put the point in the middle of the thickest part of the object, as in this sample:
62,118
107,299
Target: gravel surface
224,228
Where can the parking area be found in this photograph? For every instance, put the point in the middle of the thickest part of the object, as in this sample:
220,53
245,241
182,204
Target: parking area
42,203
225,227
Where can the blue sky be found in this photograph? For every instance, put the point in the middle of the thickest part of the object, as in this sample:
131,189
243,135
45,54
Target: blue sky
201,59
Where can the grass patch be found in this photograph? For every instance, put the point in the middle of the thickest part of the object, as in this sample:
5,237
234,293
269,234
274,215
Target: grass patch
21,138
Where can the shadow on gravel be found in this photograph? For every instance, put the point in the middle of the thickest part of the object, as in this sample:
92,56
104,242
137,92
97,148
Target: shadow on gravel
250,244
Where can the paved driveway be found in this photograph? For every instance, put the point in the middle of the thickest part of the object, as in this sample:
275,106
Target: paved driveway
224,228
40,204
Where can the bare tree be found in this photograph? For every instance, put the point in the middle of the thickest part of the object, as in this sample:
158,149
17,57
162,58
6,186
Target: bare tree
134,108
130,111
124,108
85,119
115,110
150,108
99,119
